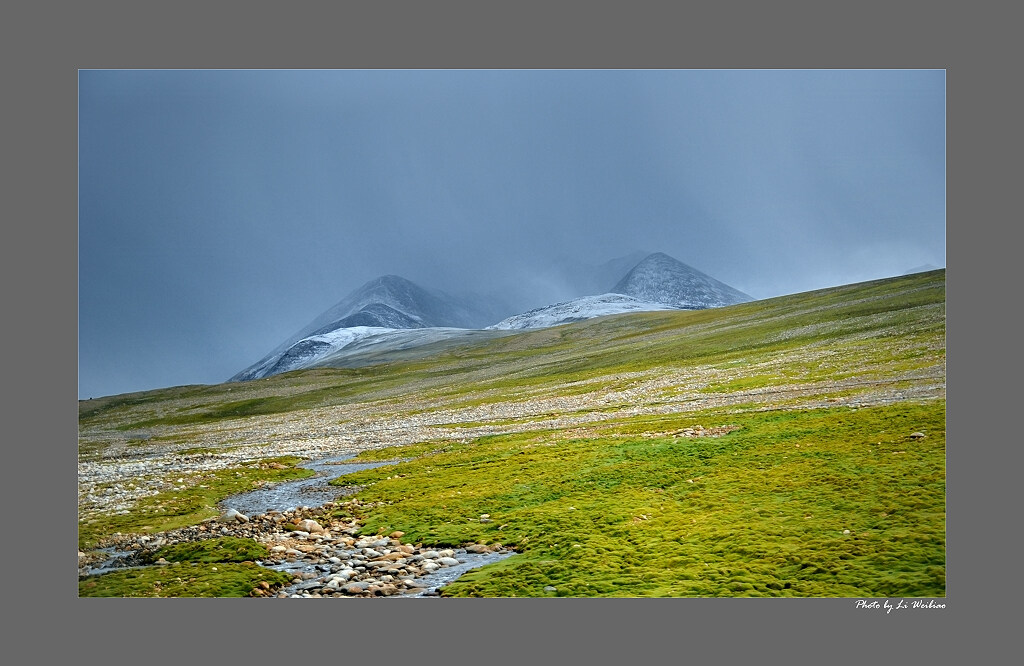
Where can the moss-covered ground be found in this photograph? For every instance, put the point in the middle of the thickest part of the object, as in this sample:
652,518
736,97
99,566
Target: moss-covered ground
829,502
186,579
220,549
218,567
572,440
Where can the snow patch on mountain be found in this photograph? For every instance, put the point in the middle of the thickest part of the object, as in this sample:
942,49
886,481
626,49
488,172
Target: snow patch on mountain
578,309
308,351
388,317
386,303
400,345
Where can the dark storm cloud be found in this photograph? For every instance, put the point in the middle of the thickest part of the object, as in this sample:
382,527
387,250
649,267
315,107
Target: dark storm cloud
221,211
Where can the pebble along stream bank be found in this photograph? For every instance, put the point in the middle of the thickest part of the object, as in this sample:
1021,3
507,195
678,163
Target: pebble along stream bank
325,554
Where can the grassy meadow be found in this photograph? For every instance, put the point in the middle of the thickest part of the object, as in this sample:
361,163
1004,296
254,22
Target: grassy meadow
788,447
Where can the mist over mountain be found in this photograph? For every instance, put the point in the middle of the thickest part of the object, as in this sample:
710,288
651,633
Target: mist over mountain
382,316
383,304
661,279
651,282
395,302
583,278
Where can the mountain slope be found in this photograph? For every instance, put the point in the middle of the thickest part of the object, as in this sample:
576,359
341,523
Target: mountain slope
734,451
794,446
657,282
391,303
308,350
661,279
381,305
378,300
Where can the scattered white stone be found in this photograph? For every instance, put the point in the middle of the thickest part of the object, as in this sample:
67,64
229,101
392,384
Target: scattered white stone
310,526
231,516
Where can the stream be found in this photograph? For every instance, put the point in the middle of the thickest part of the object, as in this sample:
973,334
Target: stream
312,492
342,561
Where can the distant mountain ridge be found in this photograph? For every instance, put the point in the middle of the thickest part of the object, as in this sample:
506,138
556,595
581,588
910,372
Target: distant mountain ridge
380,317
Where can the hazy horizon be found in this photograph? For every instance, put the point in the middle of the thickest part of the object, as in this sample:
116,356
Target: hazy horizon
220,211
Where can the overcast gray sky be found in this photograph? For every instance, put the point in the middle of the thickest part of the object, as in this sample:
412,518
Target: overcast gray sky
221,211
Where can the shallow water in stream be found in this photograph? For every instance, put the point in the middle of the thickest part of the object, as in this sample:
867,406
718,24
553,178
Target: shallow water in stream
313,492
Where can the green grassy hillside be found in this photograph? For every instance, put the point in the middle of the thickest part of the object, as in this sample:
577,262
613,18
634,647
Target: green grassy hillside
762,449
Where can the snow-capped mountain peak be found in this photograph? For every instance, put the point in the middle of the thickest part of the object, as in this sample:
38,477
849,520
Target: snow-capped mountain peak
661,279
384,304
391,314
